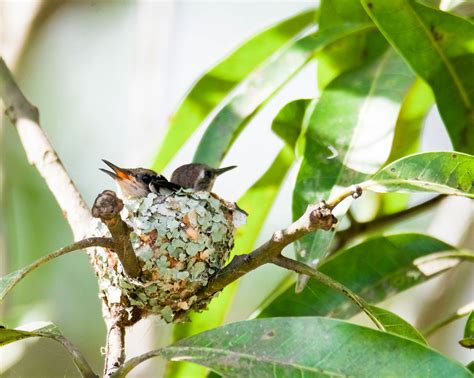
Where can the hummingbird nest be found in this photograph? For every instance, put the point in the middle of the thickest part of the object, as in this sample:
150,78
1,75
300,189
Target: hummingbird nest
181,239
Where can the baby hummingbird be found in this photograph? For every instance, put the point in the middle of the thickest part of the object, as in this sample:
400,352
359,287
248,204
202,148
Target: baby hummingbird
138,182
197,176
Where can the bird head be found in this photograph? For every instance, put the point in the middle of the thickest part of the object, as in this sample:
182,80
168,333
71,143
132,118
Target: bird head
197,176
131,182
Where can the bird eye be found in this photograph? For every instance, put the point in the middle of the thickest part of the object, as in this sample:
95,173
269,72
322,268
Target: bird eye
146,178
207,174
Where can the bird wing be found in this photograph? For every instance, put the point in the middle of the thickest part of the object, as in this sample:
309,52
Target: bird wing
161,182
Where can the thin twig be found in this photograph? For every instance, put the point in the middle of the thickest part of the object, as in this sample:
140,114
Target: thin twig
20,274
79,360
460,313
114,349
357,228
42,155
134,362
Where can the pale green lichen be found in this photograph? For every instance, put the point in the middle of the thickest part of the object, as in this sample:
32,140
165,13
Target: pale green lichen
181,239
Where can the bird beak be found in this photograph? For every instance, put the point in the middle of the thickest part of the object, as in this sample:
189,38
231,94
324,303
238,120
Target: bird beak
220,171
118,173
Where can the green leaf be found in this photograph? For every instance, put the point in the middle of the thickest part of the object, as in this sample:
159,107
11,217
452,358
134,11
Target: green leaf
442,172
407,138
351,51
218,82
348,129
468,340
274,347
258,201
393,323
51,331
375,269
260,86
39,329
438,46
289,121
409,126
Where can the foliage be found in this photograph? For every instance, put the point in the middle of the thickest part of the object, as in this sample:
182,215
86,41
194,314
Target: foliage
381,63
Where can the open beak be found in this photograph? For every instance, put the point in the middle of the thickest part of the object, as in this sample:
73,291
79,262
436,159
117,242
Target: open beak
220,171
118,173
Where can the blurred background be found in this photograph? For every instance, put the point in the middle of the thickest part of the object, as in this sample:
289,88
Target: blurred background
106,76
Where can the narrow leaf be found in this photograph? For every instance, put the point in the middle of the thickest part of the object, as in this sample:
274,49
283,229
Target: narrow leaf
351,127
375,269
289,121
39,329
274,347
51,331
438,46
351,51
441,172
219,81
407,138
261,85
393,323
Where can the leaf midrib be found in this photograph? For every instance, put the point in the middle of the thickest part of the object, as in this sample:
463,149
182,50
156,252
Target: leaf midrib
253,358
443,57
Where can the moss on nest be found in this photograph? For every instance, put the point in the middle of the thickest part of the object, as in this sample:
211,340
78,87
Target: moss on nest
181,239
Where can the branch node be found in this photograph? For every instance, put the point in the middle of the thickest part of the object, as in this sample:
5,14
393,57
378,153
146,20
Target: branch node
107,205
322,217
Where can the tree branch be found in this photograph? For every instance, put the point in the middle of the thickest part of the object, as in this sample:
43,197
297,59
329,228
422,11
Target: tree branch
41,154
107,207
318,216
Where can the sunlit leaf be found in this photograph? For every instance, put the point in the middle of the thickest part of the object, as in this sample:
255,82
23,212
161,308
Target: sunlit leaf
258,201
218,82
407,137
289,121
393,323
274,347
39,329
349,52
351,127
442,172
258,87
438,46
375,269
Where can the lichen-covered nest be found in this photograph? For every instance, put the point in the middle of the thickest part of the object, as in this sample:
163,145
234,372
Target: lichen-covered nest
181,239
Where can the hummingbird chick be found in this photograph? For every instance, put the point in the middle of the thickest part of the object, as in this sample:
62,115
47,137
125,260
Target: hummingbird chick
197,176
138,182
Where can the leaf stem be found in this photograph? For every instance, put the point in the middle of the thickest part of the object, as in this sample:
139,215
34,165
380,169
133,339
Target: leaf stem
302,268
460,313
